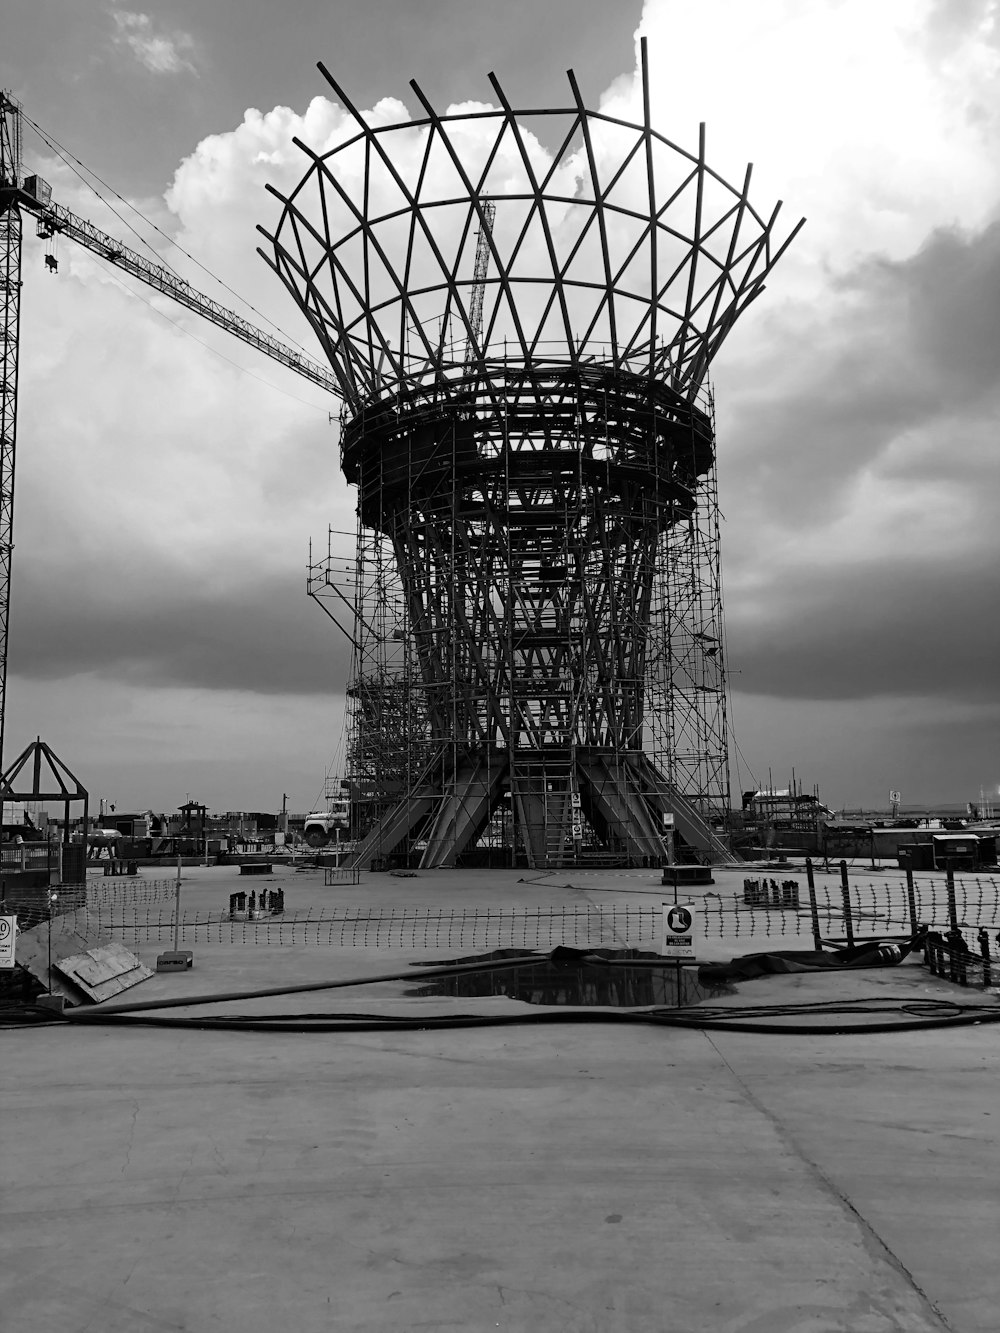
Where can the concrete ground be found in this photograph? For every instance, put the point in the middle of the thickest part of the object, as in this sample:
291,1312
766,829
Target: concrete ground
591,1177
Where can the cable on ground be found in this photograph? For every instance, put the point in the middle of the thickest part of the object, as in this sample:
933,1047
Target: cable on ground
886,1014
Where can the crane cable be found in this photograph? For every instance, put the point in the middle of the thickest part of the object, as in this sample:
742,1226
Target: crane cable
69,159
181,328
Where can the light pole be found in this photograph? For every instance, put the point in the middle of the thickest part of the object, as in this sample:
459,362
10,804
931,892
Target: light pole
53,898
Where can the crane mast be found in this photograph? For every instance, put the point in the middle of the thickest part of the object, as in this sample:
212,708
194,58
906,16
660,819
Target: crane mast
479,281
32,195
10,324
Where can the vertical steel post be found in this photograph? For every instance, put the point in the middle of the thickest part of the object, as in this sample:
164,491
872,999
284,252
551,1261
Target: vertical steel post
845,893
984,948
952,905
957,968
177,907
813,908
911,899
814,913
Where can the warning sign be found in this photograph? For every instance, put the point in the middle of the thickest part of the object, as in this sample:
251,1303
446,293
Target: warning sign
8,933
680,931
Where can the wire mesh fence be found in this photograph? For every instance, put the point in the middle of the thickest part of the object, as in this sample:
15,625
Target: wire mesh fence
143,912
129,891
36,904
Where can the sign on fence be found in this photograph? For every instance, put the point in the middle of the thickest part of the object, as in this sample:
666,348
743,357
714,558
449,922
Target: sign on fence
8,934
680,927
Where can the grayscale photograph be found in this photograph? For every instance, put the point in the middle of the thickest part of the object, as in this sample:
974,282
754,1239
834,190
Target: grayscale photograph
499,532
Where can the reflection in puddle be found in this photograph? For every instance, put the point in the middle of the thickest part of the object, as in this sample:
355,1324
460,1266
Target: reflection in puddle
607,981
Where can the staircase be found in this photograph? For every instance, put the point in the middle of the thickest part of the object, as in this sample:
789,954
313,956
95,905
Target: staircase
543,787
688,820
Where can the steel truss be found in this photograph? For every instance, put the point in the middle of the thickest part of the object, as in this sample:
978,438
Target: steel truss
10,320
538,637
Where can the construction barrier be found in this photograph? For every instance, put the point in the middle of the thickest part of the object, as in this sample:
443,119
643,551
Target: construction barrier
963,907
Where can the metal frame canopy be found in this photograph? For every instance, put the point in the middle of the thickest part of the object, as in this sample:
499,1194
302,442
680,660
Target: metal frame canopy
619,247
45,764
521,334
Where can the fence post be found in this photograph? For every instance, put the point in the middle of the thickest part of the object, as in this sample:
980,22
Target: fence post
963,964
956,957
982,935
814,912
952,908
911,899
845,891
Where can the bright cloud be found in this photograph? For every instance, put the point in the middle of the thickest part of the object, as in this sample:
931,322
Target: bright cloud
860,116
855,397
159,52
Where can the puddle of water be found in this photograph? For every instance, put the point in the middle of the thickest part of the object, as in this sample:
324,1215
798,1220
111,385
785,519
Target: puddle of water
608,982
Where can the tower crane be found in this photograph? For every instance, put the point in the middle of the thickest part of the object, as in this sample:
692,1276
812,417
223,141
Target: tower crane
479,281
31,194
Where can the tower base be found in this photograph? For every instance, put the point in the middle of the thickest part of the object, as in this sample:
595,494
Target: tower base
555,795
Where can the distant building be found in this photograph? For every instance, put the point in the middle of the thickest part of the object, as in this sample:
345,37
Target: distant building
784,818
785,808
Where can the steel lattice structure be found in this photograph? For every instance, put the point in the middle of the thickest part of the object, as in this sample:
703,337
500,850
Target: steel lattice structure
10,325
521,334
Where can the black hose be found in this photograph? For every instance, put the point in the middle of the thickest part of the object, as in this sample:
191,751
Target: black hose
654,1018
925,1014
182,1002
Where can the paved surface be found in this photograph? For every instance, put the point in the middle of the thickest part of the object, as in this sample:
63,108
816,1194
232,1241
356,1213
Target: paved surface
523,1178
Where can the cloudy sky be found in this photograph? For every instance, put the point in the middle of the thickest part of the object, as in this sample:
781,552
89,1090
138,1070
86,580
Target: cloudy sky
169,479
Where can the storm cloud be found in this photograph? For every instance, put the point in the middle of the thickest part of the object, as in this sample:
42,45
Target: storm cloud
863,539
264,636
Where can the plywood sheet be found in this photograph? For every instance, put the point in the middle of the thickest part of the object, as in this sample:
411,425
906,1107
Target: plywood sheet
104,971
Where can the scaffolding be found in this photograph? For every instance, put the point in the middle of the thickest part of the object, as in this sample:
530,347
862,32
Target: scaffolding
687,666
538,671
568,615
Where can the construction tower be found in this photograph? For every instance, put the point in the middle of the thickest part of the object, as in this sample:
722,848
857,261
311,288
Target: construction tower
522,340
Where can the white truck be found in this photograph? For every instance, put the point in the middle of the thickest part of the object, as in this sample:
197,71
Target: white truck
325,826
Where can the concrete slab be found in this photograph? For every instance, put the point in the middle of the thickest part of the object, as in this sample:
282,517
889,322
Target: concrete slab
906,1129
522,1180
572,1178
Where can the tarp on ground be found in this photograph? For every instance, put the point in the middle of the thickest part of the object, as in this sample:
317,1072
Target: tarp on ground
887,952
